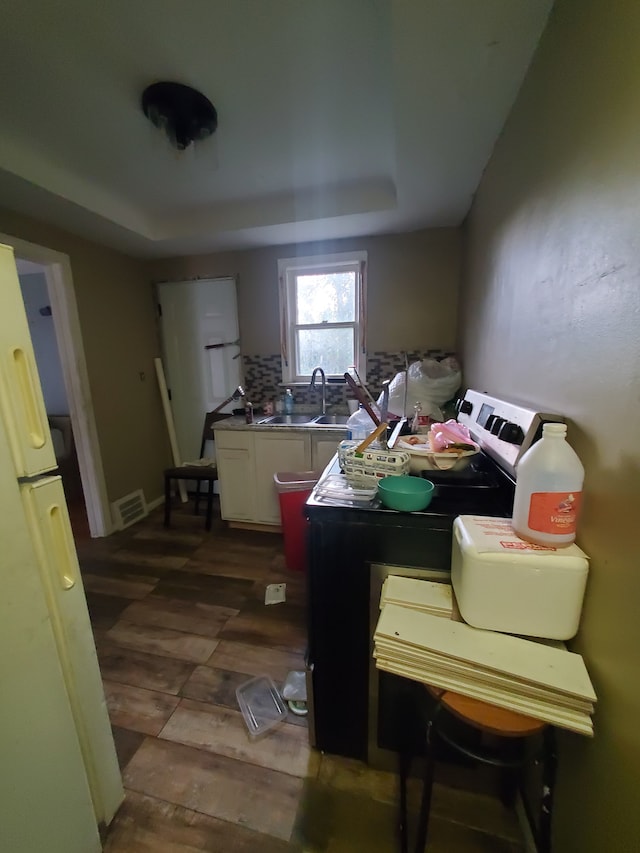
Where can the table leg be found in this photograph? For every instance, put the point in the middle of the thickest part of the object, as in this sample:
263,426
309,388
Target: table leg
549,764
427,789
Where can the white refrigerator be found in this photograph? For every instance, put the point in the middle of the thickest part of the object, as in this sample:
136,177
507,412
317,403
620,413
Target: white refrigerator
59,775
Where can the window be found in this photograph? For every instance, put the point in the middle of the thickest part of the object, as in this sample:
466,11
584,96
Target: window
322,314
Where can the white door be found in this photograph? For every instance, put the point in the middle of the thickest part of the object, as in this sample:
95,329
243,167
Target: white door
194,317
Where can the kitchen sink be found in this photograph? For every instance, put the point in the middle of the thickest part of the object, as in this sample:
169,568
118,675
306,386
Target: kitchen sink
331,420
285,420
304,420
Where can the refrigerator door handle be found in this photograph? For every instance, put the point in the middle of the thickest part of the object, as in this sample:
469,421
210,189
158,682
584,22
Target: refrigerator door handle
28,393
62,555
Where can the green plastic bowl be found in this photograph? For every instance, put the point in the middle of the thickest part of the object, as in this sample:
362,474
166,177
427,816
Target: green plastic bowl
405,493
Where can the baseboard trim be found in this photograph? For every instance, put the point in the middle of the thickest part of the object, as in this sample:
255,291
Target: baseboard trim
251,525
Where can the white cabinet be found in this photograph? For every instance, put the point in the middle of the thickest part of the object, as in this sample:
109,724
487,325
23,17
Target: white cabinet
235,474
324,447
273,453
235,461
247,461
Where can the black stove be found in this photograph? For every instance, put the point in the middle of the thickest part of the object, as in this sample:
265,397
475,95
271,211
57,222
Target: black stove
481,488
353,547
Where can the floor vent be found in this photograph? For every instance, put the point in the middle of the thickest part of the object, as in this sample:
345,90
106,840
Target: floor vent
129,509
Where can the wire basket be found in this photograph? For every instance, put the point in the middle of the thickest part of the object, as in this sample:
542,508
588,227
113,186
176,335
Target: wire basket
370,466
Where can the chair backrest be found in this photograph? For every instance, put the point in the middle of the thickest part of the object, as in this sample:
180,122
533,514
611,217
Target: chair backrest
207,431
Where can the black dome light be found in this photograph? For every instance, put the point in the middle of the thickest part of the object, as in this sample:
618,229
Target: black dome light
182,112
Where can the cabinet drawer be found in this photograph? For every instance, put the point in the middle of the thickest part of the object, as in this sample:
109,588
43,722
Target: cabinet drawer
233,439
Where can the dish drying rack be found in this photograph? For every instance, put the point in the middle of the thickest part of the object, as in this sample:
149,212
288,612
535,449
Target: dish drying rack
365,468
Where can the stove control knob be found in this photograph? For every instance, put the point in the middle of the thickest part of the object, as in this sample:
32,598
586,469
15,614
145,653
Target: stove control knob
489,422
496,425
465,407
511,433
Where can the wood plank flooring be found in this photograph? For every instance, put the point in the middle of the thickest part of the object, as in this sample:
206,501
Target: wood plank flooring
180,622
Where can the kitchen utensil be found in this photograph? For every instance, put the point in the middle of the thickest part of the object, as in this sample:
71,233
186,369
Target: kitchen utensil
362,385
379,430
407,494
239,392
360,396
384,413
406,384
396,432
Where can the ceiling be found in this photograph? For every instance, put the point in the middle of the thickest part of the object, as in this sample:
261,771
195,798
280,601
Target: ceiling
336,118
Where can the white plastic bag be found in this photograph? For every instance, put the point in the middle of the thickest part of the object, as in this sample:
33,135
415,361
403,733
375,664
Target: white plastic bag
430,383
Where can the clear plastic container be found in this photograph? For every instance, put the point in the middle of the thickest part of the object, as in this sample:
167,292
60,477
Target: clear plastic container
548,490
359,424
261,704
336,487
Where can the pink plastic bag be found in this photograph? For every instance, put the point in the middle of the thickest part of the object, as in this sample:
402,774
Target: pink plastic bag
450,432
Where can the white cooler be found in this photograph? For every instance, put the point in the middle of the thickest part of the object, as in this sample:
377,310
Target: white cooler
504,584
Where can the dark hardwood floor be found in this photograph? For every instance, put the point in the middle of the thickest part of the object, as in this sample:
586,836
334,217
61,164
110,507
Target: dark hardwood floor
179,621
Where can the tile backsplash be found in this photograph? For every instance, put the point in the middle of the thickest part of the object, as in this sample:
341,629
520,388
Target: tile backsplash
263,378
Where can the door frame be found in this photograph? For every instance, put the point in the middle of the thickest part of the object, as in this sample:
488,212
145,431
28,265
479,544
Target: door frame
64,309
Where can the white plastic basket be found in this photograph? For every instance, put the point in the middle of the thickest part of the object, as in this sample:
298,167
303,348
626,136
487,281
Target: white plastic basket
366,468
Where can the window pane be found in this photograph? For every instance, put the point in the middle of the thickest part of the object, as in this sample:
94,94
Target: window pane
331,349
329,298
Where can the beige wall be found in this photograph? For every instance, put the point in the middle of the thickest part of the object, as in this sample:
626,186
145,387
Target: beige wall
412,287
120,340
550,311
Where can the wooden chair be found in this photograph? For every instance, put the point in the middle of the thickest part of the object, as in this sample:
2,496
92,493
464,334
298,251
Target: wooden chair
200,473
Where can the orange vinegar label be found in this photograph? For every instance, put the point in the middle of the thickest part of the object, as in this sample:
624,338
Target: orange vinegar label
554,512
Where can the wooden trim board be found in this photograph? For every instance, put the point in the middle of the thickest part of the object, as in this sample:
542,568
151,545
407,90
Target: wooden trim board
417,594
580,723
482,679
561,670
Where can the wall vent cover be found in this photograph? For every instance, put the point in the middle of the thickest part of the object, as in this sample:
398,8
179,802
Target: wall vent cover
129,509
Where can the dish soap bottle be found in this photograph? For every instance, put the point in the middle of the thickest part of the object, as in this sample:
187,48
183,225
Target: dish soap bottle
288,402
548,490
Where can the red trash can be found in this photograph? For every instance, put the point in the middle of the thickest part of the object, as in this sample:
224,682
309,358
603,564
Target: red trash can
293,490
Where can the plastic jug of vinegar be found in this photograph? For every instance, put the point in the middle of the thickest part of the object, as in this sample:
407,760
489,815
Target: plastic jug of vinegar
548,490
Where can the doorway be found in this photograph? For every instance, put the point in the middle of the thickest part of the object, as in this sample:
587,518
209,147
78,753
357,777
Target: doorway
56,268
201,348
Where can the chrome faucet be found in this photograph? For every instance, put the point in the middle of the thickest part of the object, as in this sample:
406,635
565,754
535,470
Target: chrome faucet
312,384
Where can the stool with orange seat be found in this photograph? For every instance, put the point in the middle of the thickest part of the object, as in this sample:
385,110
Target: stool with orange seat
460,722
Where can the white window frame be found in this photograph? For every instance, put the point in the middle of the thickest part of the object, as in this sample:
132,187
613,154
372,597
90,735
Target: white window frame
288,271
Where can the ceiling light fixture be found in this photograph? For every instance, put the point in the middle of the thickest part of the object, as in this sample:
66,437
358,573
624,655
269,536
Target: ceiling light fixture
182,112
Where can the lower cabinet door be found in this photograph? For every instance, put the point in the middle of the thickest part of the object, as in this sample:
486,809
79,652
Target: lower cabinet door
237,490
277,454
323,450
